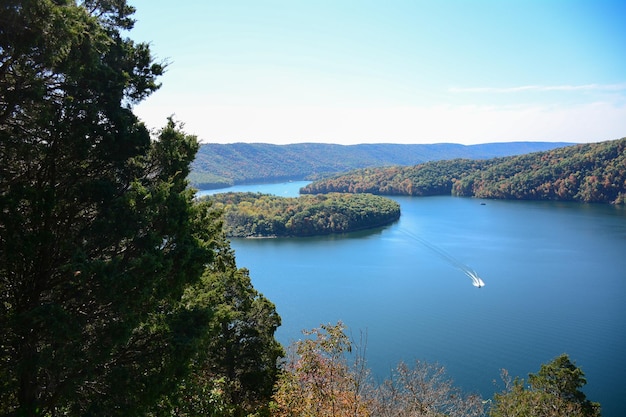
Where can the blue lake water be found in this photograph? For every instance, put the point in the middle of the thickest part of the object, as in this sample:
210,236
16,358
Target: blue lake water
555,282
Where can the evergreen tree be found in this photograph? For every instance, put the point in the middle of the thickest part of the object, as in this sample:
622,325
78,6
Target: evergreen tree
99,235
234,372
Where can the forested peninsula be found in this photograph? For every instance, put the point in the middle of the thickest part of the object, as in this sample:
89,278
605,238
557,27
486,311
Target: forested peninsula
264,215
593,173
224,165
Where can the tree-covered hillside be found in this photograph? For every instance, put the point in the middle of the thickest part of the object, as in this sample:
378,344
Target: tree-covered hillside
263,215
224,165
590,173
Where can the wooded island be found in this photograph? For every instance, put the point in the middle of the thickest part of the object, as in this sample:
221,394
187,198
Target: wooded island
264,215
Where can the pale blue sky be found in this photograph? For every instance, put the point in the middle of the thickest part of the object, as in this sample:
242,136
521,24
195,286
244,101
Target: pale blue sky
388,71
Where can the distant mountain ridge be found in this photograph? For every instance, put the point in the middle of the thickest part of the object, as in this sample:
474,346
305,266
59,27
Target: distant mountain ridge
222,165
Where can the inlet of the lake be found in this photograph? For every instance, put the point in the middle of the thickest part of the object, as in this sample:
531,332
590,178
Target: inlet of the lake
555,282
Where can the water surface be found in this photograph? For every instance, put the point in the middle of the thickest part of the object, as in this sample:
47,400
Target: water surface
555,276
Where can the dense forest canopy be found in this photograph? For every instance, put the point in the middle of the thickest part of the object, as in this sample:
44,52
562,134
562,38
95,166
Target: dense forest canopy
257,215
588,173
222,165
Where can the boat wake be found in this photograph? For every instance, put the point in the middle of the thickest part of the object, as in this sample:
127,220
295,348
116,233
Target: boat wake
473,275
476,280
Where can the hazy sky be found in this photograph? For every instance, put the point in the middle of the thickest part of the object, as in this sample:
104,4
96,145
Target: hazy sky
388,71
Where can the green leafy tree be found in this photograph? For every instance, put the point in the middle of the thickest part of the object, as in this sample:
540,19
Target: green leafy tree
235,371
562,378
554,391
99,235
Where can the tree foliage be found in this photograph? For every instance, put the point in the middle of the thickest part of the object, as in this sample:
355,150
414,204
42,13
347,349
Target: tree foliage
235,368
256,214
587,173
102,247
318,379
326,375
432,178
555,391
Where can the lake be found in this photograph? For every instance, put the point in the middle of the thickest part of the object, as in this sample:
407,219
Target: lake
555,282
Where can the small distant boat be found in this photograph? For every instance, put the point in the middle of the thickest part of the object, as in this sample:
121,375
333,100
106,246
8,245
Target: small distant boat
478,283
476,280
483,204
